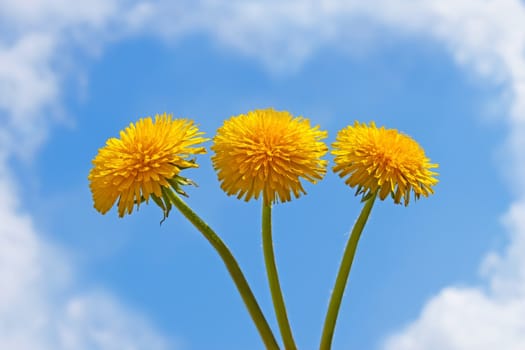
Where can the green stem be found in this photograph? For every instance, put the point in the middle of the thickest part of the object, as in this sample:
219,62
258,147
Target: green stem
342,275
273,278
233,268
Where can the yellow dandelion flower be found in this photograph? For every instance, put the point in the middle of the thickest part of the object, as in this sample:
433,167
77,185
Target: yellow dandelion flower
383,160
268,151
146,158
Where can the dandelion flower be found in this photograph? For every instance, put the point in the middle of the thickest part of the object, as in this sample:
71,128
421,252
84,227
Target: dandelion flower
268,151
383,160
146,158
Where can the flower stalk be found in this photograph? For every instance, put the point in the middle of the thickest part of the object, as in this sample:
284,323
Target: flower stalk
342,275
233,268
273,279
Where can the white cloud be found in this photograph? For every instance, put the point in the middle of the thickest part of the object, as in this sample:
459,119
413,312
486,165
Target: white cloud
506,272
52,15
28,87
98,321
465,319
40,304
40,307
477,318
39,43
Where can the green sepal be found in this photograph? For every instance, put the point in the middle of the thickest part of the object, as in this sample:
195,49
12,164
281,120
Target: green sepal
163,204
164,201
177,181
367,193
367,196
159,202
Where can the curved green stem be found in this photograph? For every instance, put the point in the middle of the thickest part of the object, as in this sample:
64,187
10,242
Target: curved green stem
342,275
233,268
273,279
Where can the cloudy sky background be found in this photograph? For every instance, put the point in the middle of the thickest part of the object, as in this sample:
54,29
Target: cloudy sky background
447,272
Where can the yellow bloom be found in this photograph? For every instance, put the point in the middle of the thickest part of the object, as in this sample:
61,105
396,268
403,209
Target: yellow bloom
383,160
147,157
268,151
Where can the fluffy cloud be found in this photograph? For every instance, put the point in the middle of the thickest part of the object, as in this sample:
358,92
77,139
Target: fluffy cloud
477,322
39,41
28,87
39,306
477,318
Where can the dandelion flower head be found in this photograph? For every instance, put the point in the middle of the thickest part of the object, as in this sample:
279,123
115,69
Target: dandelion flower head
267,151
147,157
383,160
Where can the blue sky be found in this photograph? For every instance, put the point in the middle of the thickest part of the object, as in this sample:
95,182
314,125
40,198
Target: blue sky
446,272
